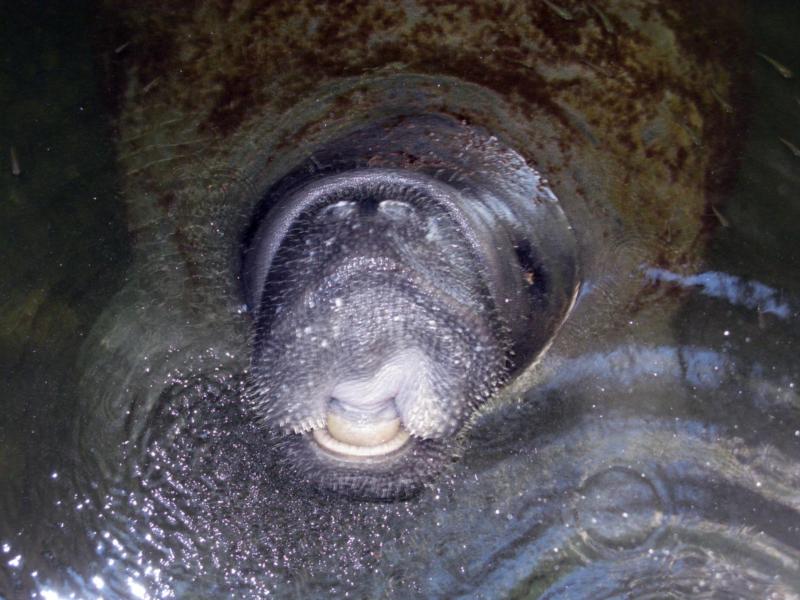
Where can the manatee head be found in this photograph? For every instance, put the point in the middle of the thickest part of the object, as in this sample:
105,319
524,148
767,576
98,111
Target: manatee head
441,218
392,299
416,201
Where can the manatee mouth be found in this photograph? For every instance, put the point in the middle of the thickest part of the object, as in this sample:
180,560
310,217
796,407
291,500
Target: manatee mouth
372,418
361,433
379,431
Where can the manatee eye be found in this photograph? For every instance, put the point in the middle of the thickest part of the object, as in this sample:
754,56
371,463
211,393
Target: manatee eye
395,210
533,273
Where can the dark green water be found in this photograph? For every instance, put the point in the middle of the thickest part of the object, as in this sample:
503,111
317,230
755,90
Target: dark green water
701,497
62,234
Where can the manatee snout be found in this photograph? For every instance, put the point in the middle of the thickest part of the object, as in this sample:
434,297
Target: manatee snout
390,302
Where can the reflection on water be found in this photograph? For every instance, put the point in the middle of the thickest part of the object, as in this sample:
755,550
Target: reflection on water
751,294
652,466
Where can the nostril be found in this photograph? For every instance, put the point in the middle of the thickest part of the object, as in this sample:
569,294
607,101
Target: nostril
395,209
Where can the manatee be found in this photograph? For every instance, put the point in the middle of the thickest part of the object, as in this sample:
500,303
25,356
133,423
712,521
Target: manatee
459,205
401,252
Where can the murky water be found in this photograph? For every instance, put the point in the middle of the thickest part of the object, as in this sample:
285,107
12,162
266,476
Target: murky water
665,463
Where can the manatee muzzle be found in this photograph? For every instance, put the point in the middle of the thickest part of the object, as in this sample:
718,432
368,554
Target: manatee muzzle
391,298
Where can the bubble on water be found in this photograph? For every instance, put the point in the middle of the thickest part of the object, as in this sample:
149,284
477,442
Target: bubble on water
600,508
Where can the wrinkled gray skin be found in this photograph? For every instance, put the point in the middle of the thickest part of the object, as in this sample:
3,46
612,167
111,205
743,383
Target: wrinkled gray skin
656,457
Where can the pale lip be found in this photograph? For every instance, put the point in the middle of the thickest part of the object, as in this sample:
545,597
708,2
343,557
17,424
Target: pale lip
360,441
361,434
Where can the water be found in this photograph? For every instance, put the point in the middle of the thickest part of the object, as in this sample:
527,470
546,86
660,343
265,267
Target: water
660,463
63,244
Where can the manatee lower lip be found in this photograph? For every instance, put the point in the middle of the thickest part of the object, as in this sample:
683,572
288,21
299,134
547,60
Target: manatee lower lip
360,439
362,433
